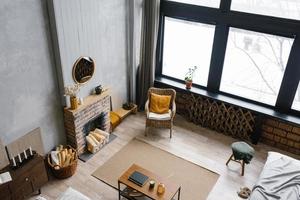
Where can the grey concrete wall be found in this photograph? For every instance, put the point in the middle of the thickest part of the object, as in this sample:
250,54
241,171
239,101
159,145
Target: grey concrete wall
95,28
28,83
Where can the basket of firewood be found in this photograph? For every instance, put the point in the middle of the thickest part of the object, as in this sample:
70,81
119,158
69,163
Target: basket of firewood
63,161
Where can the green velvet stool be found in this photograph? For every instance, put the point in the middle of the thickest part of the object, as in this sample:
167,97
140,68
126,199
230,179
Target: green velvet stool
241,153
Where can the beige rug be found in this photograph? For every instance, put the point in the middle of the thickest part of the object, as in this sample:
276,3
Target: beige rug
196,182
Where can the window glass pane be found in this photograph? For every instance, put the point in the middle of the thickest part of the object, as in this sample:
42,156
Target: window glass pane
187,44
208,3
254,65
296,104
278,8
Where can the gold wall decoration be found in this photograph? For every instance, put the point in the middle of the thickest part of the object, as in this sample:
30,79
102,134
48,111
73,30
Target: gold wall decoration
83,69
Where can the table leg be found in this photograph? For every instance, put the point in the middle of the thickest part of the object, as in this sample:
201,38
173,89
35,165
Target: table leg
119,190
179,193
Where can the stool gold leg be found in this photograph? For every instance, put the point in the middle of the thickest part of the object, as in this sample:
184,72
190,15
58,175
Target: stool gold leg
229,159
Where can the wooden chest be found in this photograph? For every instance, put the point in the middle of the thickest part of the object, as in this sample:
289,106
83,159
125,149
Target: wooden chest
25,180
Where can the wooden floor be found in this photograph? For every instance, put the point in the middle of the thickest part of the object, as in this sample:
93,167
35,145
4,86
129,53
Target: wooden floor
199,145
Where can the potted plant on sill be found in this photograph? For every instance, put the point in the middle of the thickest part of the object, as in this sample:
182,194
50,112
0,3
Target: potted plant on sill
189,77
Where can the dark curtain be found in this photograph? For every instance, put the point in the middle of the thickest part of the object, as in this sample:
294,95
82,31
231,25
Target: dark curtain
146,70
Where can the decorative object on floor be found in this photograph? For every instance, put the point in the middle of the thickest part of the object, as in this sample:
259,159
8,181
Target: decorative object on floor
241,153
173,189
115,120
87,155
128,106
160,120
160,162
98,89
127,109
63,161
189,77
26,179
244,192
83,69
117,116
96,139
72,194
72,92
218,116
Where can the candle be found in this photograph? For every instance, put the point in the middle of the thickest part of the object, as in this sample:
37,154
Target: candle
19,157
14,162
25,155
30,150
152,184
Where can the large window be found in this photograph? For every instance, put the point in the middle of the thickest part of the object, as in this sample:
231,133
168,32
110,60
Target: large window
254,65
243,49
187,44
208,3
278,8
296,103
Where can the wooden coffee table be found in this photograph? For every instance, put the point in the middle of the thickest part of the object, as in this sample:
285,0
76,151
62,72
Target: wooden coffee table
171,189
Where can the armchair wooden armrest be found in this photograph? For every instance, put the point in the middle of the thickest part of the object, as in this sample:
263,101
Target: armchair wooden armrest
173,110
147,108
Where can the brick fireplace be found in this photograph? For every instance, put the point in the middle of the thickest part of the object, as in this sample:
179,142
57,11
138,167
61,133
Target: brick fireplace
93,113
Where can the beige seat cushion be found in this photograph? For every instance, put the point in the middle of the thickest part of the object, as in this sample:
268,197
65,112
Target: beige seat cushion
155,116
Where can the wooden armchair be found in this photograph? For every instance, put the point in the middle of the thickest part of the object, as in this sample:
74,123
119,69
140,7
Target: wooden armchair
160,120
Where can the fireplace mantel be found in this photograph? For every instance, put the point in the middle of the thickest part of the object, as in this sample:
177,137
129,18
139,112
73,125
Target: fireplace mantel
93,106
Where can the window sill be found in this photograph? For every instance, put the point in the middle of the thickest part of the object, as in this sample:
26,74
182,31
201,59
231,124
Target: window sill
229,100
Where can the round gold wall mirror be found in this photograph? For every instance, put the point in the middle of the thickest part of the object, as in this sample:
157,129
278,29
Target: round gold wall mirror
83,69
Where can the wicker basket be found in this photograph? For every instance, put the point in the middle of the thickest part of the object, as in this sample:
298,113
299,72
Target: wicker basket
64,172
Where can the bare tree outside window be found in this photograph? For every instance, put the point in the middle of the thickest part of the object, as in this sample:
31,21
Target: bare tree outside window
254,65
208,3
277,8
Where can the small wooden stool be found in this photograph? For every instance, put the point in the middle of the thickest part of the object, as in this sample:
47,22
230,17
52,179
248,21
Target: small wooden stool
241,153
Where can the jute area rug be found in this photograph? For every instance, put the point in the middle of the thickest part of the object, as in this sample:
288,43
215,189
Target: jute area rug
196,182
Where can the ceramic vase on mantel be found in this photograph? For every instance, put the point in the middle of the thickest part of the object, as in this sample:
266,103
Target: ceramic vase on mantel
73,102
